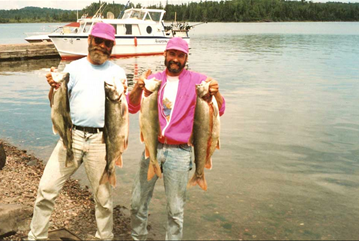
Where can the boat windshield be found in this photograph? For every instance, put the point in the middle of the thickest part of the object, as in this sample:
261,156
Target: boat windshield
155,16
144,14
85,27
135,14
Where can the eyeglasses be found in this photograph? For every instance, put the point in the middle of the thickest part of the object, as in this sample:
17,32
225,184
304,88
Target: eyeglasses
108,43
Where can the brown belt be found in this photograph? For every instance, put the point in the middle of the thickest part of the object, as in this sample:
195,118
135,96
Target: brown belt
91,130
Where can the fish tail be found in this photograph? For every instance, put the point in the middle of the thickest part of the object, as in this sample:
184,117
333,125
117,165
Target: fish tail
153,169
119,162
208,163
200,180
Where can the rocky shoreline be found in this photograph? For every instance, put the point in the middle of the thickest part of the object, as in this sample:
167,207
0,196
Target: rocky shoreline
74,208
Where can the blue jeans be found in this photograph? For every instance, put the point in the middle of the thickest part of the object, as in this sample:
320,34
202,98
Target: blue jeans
175,162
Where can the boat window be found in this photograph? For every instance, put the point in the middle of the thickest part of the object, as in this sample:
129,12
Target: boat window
148,17
137,15
128,28
87,27
149,29
126,15
155,16
82,25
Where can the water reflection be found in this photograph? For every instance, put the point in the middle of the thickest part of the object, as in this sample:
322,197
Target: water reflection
27,65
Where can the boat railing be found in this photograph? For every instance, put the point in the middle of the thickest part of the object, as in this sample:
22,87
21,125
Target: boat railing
28,34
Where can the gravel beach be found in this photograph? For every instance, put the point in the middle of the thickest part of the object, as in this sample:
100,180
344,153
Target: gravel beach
74,208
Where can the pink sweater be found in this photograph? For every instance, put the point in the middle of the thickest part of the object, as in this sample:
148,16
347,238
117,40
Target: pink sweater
179,129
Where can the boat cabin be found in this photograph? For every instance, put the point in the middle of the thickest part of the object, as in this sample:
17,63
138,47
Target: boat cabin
135,22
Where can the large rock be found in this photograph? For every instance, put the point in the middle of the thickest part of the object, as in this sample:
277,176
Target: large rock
2,156
14,218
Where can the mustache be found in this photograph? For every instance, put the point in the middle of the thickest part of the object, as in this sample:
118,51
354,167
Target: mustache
103,50
173,62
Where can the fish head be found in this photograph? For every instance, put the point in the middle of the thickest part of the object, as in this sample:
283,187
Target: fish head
152,84
113,90
60,77
202,89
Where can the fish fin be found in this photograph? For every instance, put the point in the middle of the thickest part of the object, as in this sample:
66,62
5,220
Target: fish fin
141,138
215,107
208,163
125,144
54,130
147,153
218,145
103,136
119,162
104,179
190,140
123,109
108,178
201,181
151,172
153,169
158,170
70,161
112,179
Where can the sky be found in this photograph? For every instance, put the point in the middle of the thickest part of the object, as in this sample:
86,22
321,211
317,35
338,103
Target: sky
80,4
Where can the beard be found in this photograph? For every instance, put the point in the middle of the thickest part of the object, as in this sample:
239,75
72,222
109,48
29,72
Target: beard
174,70
98,54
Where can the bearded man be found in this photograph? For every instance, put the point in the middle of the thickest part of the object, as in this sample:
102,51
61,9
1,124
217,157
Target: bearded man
176,106
87,109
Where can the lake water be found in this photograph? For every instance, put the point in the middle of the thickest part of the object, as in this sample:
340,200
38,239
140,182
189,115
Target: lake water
289,160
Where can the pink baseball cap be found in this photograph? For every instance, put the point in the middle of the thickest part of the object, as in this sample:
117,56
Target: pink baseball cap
177,43
103,30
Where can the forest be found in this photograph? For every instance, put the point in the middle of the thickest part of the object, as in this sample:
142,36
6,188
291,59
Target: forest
203,11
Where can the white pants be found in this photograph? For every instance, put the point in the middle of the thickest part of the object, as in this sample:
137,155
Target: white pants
88,149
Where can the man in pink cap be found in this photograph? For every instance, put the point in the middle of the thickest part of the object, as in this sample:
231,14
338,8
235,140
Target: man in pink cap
87,110
176,105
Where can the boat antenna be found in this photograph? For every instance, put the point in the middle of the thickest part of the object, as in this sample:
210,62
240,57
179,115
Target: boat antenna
123,10
99,12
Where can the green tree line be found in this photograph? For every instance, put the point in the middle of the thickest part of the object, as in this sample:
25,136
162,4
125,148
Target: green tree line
35,14
263,10
211,11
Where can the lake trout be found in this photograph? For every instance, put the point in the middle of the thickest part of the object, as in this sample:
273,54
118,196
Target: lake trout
115,131
60,115
206,128
150,127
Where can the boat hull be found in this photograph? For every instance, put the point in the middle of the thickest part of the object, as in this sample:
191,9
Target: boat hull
73,47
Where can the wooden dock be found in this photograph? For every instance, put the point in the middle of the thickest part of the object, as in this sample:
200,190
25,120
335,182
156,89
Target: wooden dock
27,51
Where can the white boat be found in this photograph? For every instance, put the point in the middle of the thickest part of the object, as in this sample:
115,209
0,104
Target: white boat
38,37
139,32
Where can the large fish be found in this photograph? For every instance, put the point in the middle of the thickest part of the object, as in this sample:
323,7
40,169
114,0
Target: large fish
115,130
206,130
60,115
150,127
